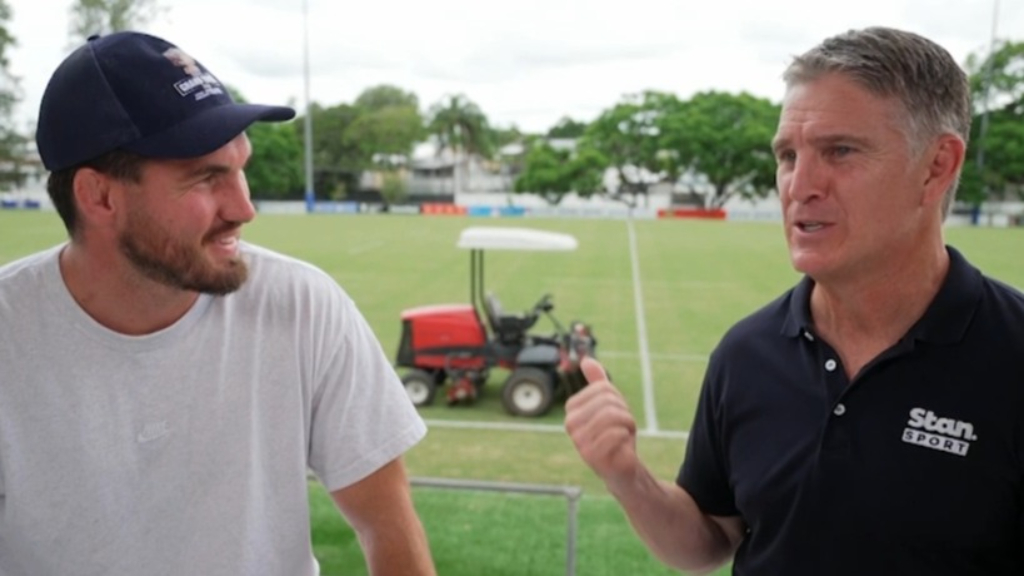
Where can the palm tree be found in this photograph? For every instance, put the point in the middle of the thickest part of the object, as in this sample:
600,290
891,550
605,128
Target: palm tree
460,126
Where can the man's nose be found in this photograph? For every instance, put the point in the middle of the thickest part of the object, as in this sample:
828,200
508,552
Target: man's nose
805,180
237,205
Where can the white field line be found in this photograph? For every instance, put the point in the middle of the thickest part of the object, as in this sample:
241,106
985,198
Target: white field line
547,428
650,415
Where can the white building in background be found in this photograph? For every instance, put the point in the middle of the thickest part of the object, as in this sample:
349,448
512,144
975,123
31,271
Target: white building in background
441,172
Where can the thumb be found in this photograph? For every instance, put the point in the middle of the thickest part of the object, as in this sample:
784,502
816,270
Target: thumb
593,370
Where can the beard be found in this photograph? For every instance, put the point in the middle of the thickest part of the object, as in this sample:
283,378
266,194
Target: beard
178,264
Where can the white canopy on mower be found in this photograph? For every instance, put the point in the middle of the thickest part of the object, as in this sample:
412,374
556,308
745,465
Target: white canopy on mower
478,239
496,238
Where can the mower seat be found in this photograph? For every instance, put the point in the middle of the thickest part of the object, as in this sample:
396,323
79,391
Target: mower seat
508,328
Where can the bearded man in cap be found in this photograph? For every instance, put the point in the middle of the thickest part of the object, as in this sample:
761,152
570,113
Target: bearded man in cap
166,386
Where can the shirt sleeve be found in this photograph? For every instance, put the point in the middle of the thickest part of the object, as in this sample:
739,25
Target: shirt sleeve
362,417
704,474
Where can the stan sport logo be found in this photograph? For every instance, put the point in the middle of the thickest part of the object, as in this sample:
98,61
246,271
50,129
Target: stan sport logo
927,429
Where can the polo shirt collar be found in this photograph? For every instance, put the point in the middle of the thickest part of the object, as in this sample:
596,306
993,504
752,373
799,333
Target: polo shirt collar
950,313
944,321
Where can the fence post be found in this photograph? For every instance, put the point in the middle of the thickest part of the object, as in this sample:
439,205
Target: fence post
572,494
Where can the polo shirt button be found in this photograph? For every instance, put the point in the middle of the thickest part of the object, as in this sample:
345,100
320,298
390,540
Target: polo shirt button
808,335
839,410
830,365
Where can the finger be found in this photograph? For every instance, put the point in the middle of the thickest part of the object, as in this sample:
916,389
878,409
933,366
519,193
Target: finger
611,418
593,370
607,409
602,444
608,452
611,441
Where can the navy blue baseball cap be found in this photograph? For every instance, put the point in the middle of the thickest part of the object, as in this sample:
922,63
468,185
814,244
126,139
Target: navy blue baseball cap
139,93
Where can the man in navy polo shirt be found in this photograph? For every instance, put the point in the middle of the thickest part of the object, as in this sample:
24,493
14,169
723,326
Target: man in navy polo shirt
871,420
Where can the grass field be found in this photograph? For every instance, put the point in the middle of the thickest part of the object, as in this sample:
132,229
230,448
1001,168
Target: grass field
696,279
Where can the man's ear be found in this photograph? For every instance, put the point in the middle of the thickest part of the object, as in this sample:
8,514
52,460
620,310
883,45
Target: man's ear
946,159
94,200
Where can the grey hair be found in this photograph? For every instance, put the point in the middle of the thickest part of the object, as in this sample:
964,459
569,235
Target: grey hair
932,89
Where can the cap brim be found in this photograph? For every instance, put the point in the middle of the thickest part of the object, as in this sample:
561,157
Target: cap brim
207,131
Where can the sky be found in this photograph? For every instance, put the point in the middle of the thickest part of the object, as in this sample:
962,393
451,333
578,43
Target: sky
526,63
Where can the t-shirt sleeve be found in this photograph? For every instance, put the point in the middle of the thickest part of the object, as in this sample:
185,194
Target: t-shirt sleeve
362,417
704,474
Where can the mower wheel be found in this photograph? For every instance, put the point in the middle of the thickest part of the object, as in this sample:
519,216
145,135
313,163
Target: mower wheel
420,386
528,392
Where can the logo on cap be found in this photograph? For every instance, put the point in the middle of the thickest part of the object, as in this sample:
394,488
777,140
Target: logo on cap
200,84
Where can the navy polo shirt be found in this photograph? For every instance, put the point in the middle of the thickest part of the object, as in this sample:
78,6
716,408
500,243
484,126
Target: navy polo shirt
914,467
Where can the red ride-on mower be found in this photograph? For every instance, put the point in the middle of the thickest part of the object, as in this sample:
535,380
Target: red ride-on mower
451,343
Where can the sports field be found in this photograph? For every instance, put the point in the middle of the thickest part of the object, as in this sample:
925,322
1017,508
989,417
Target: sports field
693,280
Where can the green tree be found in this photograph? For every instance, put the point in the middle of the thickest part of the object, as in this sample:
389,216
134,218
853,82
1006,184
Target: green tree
378,130
995,156
567,128
389,124
500,137
726,139
543,174
630,136
586,170
393,187
552,173
971,190
386,96
460,126
388,131
1003,74
337,161
275,169
90,17
13,143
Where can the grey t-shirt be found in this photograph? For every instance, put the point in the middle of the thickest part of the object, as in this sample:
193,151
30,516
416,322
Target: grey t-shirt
185,451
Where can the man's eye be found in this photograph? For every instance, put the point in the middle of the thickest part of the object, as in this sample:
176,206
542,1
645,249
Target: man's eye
207,180
785,156
840,151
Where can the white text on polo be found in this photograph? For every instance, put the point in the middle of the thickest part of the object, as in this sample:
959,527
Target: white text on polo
945,434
